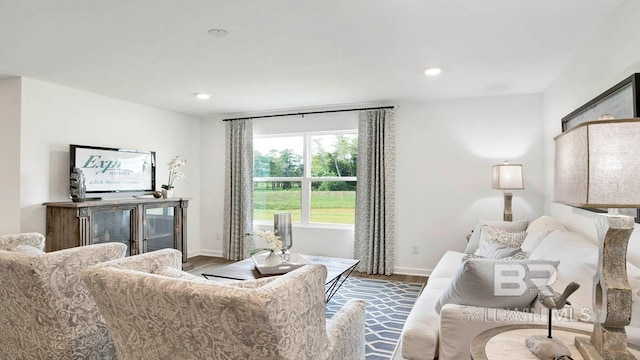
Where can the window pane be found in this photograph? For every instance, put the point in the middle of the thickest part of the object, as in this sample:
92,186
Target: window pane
334,155
278,156
276,196
333,202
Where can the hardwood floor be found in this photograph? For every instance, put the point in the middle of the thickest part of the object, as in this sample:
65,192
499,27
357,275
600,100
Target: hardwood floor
200,262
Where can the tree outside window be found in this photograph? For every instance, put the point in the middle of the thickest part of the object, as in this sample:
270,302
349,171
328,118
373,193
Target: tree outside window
311,175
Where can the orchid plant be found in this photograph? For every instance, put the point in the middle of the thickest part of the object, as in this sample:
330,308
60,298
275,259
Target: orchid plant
174,165
274,243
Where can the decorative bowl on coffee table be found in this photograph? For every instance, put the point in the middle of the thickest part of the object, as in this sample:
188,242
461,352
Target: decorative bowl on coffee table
266,268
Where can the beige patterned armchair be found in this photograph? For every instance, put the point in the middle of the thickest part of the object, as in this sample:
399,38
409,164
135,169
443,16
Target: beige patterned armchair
46,312
156,311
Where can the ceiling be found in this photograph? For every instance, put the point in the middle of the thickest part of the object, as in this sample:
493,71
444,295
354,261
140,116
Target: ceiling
286,54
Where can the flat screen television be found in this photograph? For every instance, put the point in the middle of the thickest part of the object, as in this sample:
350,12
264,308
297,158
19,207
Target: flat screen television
109,170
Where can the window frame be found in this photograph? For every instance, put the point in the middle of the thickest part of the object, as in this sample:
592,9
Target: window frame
306,179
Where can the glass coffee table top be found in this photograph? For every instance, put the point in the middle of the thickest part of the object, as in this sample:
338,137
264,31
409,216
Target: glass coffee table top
338,270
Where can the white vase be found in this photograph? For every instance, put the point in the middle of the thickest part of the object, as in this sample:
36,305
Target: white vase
272,259
167,193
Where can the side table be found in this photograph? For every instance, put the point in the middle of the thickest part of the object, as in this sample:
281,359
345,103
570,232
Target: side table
508,342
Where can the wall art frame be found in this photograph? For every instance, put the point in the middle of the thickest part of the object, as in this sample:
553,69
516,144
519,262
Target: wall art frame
622,101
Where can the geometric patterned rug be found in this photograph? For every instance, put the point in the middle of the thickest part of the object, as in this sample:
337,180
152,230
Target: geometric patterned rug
388,305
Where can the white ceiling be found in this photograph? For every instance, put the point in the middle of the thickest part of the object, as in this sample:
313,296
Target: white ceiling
285,54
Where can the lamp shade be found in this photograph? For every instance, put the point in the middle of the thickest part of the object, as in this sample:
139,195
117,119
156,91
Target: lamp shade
597,165
507,177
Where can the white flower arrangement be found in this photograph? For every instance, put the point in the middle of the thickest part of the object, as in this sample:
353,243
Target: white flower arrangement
174,165
274,243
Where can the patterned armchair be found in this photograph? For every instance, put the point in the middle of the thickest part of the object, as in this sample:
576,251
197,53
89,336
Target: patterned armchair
156,311
46,312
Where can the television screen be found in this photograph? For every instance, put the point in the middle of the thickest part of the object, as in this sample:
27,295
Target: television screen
114,170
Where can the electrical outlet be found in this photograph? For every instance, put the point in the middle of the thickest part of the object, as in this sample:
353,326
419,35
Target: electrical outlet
415,249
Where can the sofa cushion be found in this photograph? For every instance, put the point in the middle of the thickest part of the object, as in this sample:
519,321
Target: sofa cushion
512,226
421,329
447,266
491,235
633,275
578,258
496,283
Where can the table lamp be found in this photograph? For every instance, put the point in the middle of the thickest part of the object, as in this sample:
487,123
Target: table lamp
507,177
597,166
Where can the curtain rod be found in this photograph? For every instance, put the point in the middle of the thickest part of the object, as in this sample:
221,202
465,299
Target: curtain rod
309,113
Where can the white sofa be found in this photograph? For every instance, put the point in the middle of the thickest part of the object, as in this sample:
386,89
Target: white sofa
447,335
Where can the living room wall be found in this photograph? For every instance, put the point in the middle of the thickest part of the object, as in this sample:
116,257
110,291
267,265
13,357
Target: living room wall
10,90
55,116
611,56
445,150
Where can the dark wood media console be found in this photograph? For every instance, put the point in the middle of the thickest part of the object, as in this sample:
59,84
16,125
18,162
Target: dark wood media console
143,224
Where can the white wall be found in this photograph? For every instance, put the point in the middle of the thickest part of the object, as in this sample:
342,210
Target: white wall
10,89
212,165
55,116
445,150
611,56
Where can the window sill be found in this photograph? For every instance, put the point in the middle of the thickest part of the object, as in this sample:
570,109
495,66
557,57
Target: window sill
265,223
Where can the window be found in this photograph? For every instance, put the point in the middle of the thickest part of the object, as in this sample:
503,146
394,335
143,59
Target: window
312,175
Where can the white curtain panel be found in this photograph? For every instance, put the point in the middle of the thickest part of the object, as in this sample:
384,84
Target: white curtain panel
375,194
238,198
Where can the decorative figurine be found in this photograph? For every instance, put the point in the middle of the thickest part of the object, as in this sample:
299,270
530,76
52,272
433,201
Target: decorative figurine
77,186
548,348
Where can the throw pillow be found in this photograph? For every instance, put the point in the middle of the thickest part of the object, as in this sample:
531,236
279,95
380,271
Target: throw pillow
518,255
578,258
512,226
503,238
533,239
496,283
544,223
496,250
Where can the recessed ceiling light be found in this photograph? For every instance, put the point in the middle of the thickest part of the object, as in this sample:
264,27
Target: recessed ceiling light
218,33
203,96
433,71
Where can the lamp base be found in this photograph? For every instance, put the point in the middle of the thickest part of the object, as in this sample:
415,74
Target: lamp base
508,214
589,352
611,292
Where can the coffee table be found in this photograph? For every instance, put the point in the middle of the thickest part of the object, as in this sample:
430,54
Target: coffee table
508,342
338,270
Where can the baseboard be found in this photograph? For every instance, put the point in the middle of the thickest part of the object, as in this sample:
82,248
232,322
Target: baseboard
215,253
411,271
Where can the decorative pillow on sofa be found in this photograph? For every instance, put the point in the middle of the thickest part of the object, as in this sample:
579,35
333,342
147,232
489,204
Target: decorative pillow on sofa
496,283
502,238
496,251
538,229
512,226
578,258
545,223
